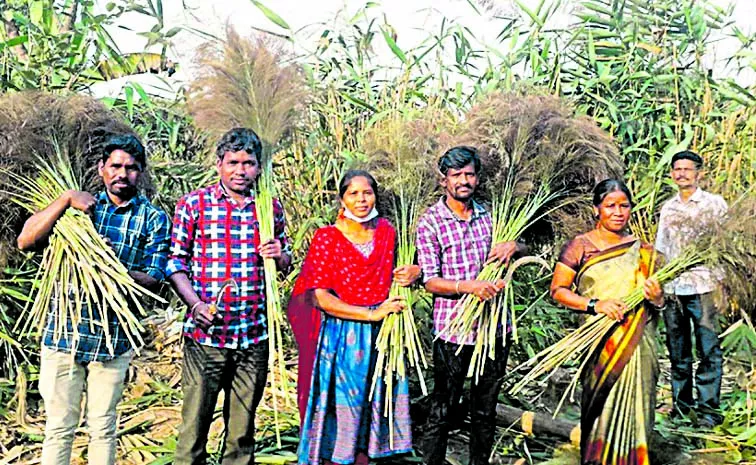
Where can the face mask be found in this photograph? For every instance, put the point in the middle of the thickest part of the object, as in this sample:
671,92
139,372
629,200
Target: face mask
372,215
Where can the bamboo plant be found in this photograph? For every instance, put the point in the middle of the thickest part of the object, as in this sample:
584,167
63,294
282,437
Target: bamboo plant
78,267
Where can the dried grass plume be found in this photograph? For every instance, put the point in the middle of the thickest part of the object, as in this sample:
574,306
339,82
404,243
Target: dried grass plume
542,140
33,123
249,82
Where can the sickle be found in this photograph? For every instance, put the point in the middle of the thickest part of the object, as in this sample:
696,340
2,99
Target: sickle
530,259
226,284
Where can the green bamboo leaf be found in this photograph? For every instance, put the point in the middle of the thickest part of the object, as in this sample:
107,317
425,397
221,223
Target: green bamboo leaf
359,102
173,31
271,15
591,49
36,12
598,8
392,45
533,16
14,41
129,94
472,5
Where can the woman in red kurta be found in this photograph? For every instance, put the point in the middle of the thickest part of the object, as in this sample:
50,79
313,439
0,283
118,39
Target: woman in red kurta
338,301
335,263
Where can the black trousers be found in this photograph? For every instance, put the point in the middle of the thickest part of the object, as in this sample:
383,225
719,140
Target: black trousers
449,372
700,312
242,375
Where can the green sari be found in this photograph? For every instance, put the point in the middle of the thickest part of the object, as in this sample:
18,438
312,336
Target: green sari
619,380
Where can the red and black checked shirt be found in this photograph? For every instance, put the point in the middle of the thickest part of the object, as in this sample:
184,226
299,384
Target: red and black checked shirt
214,239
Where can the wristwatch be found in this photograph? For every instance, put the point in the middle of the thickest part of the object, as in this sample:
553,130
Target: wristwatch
591,308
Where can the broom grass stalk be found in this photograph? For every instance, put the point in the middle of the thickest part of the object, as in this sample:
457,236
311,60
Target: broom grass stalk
511,218
398,341
586,339
266,220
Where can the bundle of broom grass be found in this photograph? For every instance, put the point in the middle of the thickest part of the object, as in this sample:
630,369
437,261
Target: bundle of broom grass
78,267
398,342
264,195
511,217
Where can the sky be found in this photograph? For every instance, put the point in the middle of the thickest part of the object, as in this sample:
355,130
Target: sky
411,19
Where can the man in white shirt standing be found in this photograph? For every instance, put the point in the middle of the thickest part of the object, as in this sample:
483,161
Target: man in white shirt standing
683,218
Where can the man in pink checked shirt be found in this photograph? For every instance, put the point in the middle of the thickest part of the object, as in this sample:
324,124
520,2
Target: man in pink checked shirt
453,244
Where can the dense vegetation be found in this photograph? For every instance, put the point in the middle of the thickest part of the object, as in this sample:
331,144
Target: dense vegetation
634,67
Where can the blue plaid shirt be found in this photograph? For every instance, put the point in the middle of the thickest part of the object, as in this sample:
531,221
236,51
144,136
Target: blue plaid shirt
140,235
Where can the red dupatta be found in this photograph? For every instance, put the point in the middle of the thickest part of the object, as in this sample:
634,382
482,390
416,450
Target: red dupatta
334,263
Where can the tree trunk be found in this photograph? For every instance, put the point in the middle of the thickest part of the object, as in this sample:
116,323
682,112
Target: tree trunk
11,29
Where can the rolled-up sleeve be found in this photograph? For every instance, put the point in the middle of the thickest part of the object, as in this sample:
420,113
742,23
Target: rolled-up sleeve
184,222
428,250
157,246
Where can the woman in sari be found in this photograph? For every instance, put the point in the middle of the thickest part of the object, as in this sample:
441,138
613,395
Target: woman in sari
338,301
594,272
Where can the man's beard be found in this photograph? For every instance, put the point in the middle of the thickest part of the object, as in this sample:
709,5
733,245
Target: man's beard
124,192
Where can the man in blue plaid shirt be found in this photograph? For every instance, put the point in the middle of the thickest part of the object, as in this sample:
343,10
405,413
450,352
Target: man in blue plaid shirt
140,236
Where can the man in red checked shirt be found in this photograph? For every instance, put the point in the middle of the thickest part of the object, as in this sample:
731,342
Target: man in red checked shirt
215,238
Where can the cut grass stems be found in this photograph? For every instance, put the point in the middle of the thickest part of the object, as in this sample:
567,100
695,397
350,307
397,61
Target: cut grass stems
398,341
582,342
512,215
275,318
78,267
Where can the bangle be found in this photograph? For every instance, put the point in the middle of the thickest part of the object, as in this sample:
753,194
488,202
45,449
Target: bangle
456,286
195,305
591,307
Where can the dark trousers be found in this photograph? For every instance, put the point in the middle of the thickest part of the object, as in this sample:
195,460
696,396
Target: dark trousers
701,311
242,375
449,372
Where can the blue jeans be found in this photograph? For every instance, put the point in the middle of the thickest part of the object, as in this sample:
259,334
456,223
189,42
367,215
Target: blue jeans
700,310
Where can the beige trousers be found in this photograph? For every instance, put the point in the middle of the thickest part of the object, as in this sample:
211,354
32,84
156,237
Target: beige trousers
61,384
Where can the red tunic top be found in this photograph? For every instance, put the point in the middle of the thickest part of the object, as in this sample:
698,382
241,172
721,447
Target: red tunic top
334,263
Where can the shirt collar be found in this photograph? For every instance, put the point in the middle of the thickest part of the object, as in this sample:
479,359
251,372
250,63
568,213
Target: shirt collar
447,213
696,197
104,199
219,192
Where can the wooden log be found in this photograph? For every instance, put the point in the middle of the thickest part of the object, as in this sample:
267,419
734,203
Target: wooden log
533,423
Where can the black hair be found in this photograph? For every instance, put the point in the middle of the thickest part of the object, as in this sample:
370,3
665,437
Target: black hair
606,187
129,143
240,139
458,157
687,155
346,180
